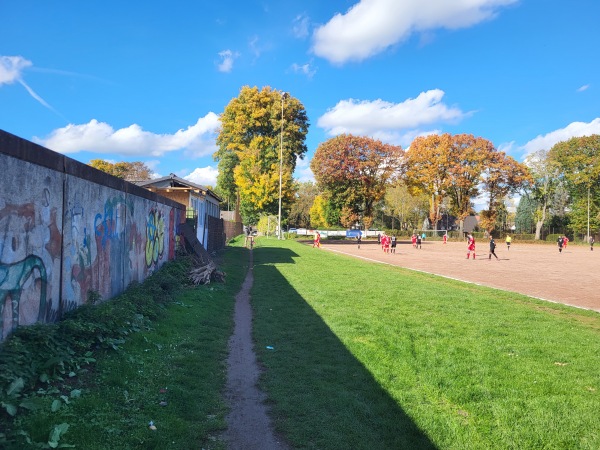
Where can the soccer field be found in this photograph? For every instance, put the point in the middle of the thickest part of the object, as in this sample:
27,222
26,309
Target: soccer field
538,270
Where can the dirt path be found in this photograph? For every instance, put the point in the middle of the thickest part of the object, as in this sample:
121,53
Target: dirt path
571,277
249,426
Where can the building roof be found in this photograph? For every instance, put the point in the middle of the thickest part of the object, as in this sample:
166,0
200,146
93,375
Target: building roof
173,181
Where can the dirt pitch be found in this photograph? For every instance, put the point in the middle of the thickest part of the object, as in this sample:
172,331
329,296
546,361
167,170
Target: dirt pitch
539,270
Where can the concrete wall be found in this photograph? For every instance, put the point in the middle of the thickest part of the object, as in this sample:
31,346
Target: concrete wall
67,229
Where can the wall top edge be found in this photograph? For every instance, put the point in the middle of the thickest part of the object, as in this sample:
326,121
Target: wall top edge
33,153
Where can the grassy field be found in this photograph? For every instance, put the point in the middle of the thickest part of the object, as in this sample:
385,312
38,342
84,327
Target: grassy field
371,356
356,355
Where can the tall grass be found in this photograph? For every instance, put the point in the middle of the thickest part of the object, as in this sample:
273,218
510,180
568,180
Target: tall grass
371,356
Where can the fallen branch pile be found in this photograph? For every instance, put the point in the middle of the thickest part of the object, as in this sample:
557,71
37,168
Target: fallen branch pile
205,273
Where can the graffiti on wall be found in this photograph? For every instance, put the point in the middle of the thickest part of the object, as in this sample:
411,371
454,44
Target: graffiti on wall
94,258
111,223
30,243
155,237
12,280
50,262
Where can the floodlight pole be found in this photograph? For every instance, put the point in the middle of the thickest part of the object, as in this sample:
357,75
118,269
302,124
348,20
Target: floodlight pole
587,238
283,97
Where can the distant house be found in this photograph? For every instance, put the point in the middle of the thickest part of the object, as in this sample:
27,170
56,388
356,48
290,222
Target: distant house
202,207
470,223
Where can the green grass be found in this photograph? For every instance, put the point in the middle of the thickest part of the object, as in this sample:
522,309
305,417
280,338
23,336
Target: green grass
180,360
373,356
365,356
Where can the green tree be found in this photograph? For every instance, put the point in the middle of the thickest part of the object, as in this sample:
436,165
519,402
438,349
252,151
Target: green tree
579,162
299,214
525,220
545,180
249,147
354,172
267,225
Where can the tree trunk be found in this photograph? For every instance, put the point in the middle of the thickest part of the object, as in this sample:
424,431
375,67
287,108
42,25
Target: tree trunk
540,223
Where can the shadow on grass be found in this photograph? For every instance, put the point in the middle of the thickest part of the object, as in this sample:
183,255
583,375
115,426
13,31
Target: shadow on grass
321,395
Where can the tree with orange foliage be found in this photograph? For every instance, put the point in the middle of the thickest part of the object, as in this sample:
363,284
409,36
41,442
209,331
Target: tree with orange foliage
501,176
426,170
467,162
354,172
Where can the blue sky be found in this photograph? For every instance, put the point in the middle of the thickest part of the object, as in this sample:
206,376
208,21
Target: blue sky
146,81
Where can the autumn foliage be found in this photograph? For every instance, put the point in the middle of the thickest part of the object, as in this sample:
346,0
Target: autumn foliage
353,172
252,127
459,168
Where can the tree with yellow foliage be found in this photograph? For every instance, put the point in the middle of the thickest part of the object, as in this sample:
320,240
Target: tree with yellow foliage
249,145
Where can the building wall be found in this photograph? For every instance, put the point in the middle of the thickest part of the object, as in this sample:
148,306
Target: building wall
67,229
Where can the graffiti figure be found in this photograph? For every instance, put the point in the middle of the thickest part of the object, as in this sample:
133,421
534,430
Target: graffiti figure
12,279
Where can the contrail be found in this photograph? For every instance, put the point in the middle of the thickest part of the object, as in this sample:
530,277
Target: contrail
39,99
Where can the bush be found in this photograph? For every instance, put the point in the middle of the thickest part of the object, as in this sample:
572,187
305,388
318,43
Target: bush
553,237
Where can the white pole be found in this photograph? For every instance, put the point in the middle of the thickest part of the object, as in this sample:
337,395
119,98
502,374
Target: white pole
587,238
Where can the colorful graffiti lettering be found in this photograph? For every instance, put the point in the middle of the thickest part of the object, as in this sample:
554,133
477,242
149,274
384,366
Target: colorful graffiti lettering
111,223
12,278
155,237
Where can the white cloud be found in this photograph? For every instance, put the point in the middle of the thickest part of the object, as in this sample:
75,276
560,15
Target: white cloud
389,122
100,137
227,59
300,26
204,176
574,129
303,172
304,69
11,68
371,26
585,87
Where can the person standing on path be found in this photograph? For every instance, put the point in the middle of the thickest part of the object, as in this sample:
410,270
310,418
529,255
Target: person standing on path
508,241
359,238
565,242
592,243
492,247
560,242
445,237
393,245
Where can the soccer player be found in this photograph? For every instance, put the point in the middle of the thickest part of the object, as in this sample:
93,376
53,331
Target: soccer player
470,246
492,247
